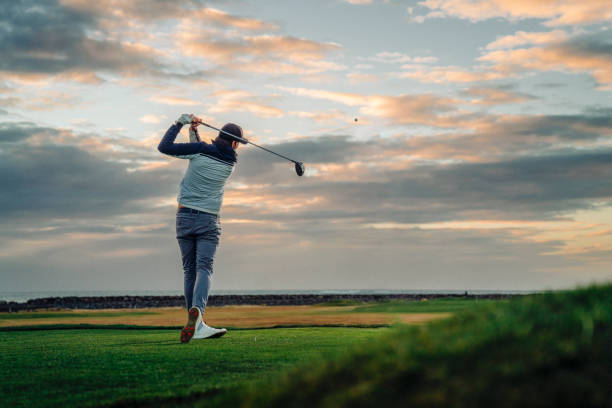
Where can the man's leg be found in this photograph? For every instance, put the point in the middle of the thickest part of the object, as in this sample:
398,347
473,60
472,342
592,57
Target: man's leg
204,269
208,239
207,232
188,255
187,243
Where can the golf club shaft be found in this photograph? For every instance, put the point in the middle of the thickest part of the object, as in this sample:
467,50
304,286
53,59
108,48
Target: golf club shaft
245,141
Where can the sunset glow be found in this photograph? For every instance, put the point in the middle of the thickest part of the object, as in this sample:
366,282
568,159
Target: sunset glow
449,144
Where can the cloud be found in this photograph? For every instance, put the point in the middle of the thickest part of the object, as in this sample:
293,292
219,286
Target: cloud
391,57
83,42
504,137
359,77
136,9
264,53
555,13
511,55
350,99
207,15
496,95
243,101
76,195
44,101
47,38
528,188
448,74
524,38
153,119
322,117
394,57
174,100
589,53
425,109
82,179
53,173
150,10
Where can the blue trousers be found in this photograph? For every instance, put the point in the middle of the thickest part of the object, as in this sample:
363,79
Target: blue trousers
198,236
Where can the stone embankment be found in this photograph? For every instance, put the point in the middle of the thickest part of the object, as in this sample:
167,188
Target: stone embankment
131,302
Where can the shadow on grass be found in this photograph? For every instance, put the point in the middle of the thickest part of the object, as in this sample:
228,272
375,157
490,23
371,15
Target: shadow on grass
148,343
167,401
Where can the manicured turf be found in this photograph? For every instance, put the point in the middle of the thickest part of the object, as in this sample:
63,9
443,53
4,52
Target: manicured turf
548,350
72,368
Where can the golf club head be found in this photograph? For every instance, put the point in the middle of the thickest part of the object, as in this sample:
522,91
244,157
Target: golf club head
299,168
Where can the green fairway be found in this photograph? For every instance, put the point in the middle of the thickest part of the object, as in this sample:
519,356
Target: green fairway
72,368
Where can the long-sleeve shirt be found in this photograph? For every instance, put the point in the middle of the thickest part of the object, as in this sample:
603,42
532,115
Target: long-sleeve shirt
210,165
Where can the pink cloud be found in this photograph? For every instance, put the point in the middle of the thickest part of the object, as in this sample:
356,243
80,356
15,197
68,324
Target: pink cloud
524,38
242,101
264,53
449,74
174,100
565,12
555,57
401,109
495,96
321,117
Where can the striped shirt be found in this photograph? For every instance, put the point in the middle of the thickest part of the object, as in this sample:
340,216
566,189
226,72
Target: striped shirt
210,165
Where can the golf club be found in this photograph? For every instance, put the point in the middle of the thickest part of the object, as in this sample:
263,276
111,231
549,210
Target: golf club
299,166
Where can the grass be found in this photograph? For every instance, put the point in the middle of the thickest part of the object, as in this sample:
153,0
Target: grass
91,357
71,368
542,350
546,350
227,316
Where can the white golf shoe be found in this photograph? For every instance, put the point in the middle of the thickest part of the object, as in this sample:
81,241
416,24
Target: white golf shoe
204,331
194,319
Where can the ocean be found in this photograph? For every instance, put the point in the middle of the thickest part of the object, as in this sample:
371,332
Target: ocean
25,296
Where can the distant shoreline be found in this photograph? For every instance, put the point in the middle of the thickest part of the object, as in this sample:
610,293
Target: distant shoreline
24,296
132,302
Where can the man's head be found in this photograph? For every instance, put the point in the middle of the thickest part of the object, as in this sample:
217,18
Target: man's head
233,129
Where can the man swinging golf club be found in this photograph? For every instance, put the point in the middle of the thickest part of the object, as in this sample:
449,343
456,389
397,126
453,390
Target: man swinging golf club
197,220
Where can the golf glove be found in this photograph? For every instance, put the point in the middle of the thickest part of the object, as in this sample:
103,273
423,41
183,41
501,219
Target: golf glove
185,119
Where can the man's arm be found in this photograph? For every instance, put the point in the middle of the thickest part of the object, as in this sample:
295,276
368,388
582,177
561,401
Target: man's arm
181,150
194,136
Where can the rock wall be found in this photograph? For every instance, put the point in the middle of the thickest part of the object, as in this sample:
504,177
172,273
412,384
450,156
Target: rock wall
130,302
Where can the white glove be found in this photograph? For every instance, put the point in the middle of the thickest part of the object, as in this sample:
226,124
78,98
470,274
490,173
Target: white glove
185,119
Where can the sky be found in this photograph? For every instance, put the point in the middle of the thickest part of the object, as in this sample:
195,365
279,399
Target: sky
448,144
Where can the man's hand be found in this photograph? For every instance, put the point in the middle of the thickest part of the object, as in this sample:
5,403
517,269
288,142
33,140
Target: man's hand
194,137
195,122
186,118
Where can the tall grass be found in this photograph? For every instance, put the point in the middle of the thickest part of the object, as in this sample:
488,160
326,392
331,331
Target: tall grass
548,350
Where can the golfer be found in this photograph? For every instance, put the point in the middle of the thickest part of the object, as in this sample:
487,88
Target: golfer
197,218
